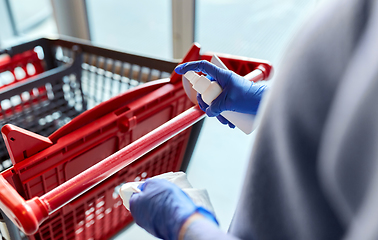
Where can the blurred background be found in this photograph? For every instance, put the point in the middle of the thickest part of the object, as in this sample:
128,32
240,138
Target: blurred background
165,29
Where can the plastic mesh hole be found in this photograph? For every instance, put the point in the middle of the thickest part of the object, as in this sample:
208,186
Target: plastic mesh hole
25,96
39,51
7,163
30,69
6,78
19,73
35,92
5,104
15,100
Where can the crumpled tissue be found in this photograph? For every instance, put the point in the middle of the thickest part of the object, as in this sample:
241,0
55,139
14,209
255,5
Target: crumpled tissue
200,197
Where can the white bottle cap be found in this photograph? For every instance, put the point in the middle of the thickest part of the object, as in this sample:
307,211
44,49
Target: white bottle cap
211,93
200,83
192,77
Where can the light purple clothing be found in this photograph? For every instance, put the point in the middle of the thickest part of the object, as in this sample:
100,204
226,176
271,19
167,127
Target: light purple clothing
313,172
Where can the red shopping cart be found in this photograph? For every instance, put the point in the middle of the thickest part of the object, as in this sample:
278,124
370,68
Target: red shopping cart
64,186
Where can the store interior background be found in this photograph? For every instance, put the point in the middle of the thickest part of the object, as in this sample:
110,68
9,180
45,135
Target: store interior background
250,28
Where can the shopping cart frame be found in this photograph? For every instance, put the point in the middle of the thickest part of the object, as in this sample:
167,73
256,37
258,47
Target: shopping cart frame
28,214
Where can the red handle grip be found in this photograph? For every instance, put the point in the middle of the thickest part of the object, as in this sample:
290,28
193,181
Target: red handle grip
27,215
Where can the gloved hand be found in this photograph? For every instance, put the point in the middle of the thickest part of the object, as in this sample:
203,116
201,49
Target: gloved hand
162,208
204,106
238,94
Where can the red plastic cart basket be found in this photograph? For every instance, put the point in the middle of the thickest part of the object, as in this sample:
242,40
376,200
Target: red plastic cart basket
64,186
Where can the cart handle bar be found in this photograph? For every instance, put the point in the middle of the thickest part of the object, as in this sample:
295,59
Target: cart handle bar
27,215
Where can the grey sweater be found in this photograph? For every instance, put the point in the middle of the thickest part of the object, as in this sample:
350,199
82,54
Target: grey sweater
313,172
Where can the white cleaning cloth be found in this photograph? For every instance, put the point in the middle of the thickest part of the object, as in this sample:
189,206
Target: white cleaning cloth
200,197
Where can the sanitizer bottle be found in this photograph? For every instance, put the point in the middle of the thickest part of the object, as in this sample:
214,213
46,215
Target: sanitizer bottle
211,90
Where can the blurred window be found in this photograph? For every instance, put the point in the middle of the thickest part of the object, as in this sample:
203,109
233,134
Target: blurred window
258,29
142,27
24,19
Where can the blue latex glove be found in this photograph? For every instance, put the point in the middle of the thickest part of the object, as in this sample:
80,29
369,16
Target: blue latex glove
220,118
238,94
162,208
